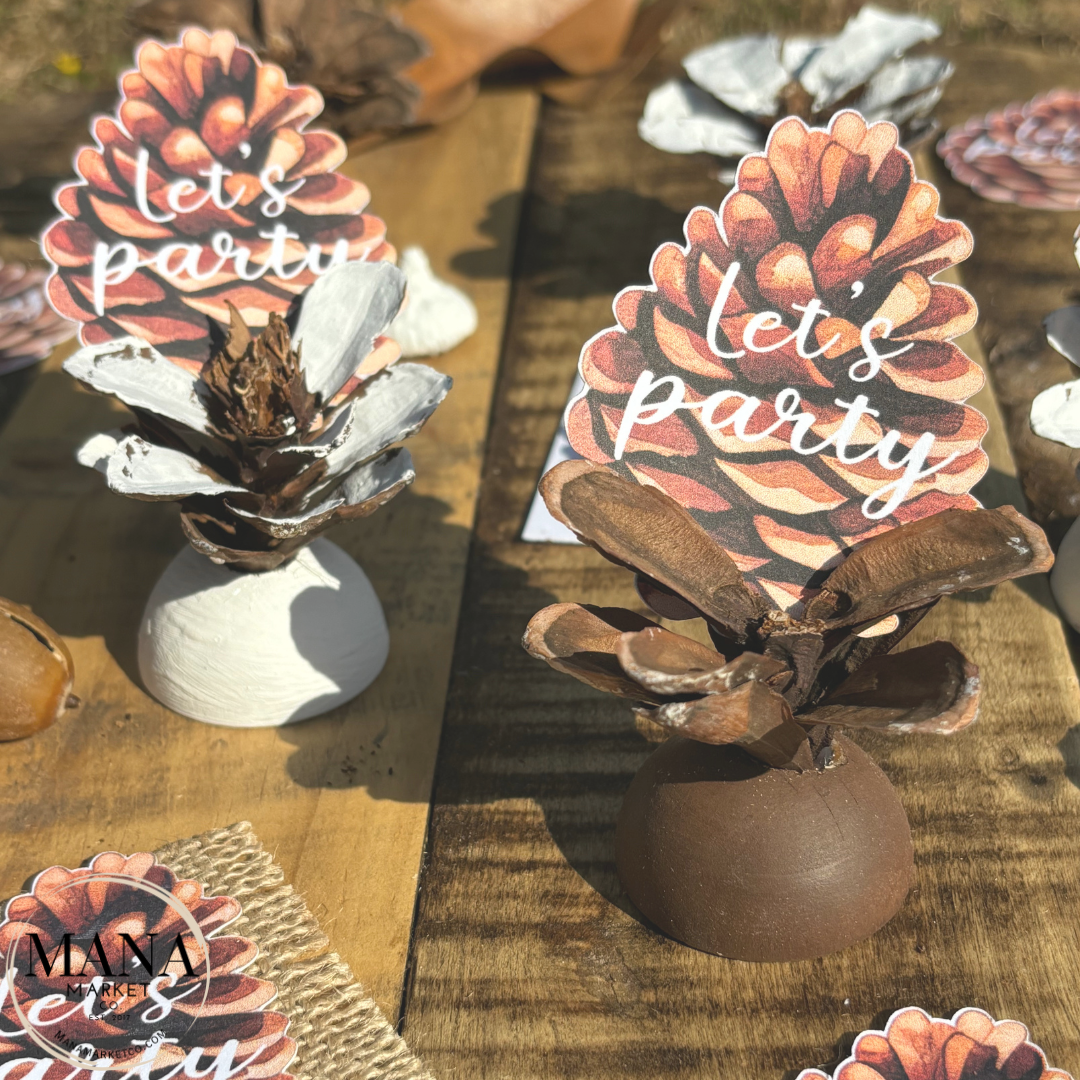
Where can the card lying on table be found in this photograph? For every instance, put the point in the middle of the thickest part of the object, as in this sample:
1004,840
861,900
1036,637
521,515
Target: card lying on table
196,960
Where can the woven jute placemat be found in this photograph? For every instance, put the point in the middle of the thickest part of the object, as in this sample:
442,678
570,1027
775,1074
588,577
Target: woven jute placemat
339,1030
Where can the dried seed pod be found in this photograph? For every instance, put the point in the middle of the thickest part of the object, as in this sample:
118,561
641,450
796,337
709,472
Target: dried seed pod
816,670
354,56
36,672
822,854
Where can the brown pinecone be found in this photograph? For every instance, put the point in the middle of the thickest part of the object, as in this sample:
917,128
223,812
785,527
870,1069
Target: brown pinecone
1026,154
774,684
354,56
80,904
205,104
836,217
29,328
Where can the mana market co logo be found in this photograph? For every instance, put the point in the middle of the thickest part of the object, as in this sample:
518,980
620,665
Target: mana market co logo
119,969
98,987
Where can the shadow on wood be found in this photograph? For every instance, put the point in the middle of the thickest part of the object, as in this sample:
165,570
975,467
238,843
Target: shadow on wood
591,244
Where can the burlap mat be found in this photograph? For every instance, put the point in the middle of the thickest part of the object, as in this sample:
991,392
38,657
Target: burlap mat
339,1031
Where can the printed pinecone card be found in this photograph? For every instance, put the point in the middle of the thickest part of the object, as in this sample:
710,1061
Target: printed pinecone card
195,960
917,1046
790,376
205,189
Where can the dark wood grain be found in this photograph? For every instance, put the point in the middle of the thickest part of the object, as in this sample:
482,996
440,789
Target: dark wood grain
528,961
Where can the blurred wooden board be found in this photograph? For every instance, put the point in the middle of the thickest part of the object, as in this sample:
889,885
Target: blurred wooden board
528,961
341,801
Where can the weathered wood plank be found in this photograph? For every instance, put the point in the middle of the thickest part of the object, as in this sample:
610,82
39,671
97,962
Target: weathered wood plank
341,801
528,961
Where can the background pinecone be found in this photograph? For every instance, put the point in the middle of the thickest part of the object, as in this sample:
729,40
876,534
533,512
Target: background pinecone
836,215
1027,154
29,328
739,87
353,55
66,901
204,103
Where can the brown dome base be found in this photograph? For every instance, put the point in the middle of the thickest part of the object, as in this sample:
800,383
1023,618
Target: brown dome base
734,858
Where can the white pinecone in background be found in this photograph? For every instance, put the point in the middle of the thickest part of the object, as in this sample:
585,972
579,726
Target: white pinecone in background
739,87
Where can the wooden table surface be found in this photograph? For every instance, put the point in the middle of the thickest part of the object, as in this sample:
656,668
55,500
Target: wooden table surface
504,944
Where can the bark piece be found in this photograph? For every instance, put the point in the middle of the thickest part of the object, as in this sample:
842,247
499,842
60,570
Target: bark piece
931,689
647,530
751,716
672,664
954,551
583,641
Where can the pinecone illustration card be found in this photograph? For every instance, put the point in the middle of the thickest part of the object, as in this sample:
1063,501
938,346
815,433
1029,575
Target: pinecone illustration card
205,187
789,376
1027,153
971,1044
195,960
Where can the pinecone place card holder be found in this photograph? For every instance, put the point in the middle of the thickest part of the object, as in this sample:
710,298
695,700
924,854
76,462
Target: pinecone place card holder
774,440
235,297
193,961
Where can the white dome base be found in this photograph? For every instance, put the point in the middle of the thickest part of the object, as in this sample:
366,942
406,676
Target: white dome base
1065,576
260,650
